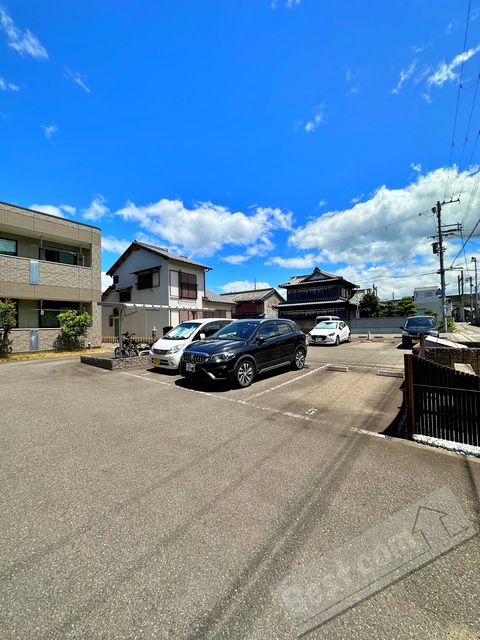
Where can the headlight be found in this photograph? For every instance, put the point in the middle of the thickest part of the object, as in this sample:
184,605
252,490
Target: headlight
222,357
174,350
331,334
405,333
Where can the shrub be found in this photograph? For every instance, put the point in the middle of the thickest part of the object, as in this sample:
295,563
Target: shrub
73,327
7,323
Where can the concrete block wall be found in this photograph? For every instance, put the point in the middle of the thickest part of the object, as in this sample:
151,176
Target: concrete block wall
376,325
448,357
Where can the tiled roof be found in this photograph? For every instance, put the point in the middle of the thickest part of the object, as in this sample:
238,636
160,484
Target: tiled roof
165,253
252,295
211,296
317,275
160,251
314,304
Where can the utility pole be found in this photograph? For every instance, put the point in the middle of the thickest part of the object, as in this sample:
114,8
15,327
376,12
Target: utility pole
460,293
474,259
471,301
439,249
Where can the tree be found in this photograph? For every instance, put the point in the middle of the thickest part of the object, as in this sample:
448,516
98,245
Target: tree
7,322
388,309
406,306
73,326
369,306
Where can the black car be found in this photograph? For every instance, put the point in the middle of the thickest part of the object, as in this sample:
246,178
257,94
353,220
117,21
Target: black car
414,326
243,349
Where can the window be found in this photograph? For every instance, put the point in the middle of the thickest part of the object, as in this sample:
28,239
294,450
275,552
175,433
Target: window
267,331
49,310
145,281
188,285
284,328
8,247
51,254
116,279
34,272
125,295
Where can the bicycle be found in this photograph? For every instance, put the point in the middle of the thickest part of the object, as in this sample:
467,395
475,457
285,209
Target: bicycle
129,348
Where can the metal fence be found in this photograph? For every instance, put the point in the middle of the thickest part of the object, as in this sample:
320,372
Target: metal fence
441,402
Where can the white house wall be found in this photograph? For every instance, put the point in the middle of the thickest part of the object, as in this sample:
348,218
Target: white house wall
143,321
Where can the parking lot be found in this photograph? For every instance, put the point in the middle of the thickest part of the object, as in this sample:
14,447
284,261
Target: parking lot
135,505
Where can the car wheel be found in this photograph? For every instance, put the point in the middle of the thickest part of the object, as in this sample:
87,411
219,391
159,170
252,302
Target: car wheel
337,341
299,359
244,373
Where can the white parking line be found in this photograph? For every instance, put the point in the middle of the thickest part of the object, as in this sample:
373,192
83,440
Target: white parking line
309,415
283,384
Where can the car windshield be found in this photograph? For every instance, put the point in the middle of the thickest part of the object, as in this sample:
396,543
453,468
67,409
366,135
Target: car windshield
182,331
420,322
235,331
327,324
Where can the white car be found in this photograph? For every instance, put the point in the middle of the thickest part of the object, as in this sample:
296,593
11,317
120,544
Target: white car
329,332
167,351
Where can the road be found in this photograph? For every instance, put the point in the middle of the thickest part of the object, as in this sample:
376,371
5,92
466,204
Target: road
137,506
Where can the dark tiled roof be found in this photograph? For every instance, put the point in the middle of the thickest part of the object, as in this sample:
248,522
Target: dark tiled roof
317,275
315,304
160,251
252,295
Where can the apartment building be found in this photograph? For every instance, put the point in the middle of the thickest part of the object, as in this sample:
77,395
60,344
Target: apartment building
48,265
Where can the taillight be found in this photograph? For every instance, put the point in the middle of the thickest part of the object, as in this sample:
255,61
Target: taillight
304,337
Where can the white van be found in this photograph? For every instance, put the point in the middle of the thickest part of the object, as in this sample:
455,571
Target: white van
322,318
166,352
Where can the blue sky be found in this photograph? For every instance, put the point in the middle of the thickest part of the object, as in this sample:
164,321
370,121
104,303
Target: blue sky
259,137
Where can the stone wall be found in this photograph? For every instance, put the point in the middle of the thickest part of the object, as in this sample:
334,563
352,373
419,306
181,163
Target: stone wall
448,357
116,364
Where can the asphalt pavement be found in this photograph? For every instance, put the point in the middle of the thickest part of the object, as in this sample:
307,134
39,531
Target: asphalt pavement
135,505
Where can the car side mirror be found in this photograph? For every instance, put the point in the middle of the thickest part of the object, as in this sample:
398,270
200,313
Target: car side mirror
402,328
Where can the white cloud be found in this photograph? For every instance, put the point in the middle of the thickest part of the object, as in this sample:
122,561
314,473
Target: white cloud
48,208
106,281
24,42
405,74
71,210
96,210
77,78
447,72
243,285
309,261
288,3
357,199
317,119
8,86
386,239
49,129
205,228
113,245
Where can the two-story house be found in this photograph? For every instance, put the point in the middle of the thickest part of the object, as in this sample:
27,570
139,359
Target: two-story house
48,265
256,303
319,293
159,288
